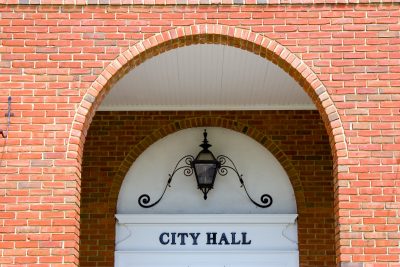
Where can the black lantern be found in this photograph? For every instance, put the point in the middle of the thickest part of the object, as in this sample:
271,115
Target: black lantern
205,167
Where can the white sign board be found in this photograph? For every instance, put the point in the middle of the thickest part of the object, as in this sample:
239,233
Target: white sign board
206,240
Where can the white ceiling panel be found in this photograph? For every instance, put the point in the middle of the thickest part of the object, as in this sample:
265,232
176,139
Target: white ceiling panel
206,77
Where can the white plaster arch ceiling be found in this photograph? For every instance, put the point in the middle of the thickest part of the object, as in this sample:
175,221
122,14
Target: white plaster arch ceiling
207,77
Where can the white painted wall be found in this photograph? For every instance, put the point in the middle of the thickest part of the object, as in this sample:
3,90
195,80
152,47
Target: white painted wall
262,174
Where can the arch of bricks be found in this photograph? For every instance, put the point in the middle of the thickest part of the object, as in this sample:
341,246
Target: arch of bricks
203,34
212,34
258,136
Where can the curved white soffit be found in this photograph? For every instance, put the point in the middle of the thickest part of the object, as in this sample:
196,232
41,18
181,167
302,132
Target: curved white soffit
207,77
261,171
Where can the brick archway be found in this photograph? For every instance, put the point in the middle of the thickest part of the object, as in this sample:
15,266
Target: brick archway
202,34
252,132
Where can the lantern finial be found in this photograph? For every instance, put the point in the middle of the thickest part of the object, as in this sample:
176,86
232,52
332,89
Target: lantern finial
205,145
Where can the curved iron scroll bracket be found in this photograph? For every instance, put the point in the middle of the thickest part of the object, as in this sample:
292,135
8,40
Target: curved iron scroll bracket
185,164
227,163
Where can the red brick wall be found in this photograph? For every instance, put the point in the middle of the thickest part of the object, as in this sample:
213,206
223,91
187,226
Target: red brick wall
346,56
300,135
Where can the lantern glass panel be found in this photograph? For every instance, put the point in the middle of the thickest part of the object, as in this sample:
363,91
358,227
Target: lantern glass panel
205,174
205,156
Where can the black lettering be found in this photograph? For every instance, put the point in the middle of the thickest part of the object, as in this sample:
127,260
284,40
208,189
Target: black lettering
182,235
162,241
234,242
194,237
244,241
211,238
223,239
173,242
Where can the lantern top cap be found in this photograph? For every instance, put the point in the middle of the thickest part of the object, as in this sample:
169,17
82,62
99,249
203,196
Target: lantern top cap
205,145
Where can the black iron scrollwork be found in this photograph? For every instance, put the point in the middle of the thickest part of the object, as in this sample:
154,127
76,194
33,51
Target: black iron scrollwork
185,164
206,166
227,164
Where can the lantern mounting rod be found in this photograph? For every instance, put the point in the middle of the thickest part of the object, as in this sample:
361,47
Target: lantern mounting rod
3,133
205,171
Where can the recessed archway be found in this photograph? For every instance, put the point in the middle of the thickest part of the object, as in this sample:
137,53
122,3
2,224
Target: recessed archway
114,142
212,34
